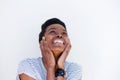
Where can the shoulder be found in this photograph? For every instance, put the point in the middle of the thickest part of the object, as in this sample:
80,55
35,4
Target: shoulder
28,67
73,71
30,62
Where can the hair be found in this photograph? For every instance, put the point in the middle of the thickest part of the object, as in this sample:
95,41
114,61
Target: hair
48,23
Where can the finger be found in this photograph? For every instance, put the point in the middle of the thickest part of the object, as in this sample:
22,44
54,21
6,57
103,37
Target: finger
45,44
67,49
46,47
65,53
68,46
42,47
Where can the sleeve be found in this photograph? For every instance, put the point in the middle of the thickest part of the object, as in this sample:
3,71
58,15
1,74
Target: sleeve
26,68
74,72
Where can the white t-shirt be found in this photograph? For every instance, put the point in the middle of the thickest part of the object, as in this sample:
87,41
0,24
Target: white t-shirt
34,68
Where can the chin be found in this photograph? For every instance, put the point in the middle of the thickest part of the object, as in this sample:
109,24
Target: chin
57,51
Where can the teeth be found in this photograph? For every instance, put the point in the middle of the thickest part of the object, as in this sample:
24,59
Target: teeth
58,41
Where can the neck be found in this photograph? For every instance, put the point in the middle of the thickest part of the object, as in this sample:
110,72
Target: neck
57,56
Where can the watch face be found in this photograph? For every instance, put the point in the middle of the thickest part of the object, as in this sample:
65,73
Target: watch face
60,72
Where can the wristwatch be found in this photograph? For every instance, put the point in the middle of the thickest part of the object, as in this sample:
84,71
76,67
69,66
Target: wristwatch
60,72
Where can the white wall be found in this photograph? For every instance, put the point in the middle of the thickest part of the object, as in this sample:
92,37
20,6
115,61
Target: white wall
93,27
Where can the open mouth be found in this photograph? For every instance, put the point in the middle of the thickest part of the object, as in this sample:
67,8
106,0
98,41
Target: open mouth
58,41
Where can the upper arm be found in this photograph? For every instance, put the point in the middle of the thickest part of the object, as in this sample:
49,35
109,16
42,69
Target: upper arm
25,71
25,77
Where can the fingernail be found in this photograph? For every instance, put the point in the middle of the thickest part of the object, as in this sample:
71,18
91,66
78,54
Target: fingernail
43,38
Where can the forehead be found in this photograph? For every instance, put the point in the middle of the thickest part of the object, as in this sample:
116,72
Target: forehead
56,27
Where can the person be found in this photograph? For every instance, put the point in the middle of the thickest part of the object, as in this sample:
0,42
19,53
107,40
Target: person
54,46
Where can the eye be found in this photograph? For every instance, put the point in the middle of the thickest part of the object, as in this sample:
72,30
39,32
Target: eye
64,33
52,32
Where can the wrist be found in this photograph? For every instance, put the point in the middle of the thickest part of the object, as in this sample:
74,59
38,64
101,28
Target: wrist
60,73
50,74
50,69
61,65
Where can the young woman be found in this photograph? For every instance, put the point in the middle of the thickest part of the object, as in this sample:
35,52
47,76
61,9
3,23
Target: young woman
54,46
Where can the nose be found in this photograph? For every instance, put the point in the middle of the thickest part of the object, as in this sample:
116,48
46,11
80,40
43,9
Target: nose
59,35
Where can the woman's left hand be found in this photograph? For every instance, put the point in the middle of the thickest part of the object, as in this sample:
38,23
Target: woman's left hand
62,58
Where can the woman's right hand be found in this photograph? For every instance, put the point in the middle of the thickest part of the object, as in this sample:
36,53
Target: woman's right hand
48,59
47,55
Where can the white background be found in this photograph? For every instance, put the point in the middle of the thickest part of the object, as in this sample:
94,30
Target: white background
93,27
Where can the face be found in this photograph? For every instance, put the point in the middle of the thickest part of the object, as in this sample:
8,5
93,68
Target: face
56,37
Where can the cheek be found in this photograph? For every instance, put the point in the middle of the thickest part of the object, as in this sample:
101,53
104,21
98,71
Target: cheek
49,41
48,38
66,39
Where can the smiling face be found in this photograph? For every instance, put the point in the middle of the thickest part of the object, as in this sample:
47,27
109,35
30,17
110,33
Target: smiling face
56,36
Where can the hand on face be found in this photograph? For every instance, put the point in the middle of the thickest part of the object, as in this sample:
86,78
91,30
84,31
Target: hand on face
62,58
48,58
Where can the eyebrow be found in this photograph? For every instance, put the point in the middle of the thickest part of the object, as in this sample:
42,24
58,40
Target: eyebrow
51,28
55,29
